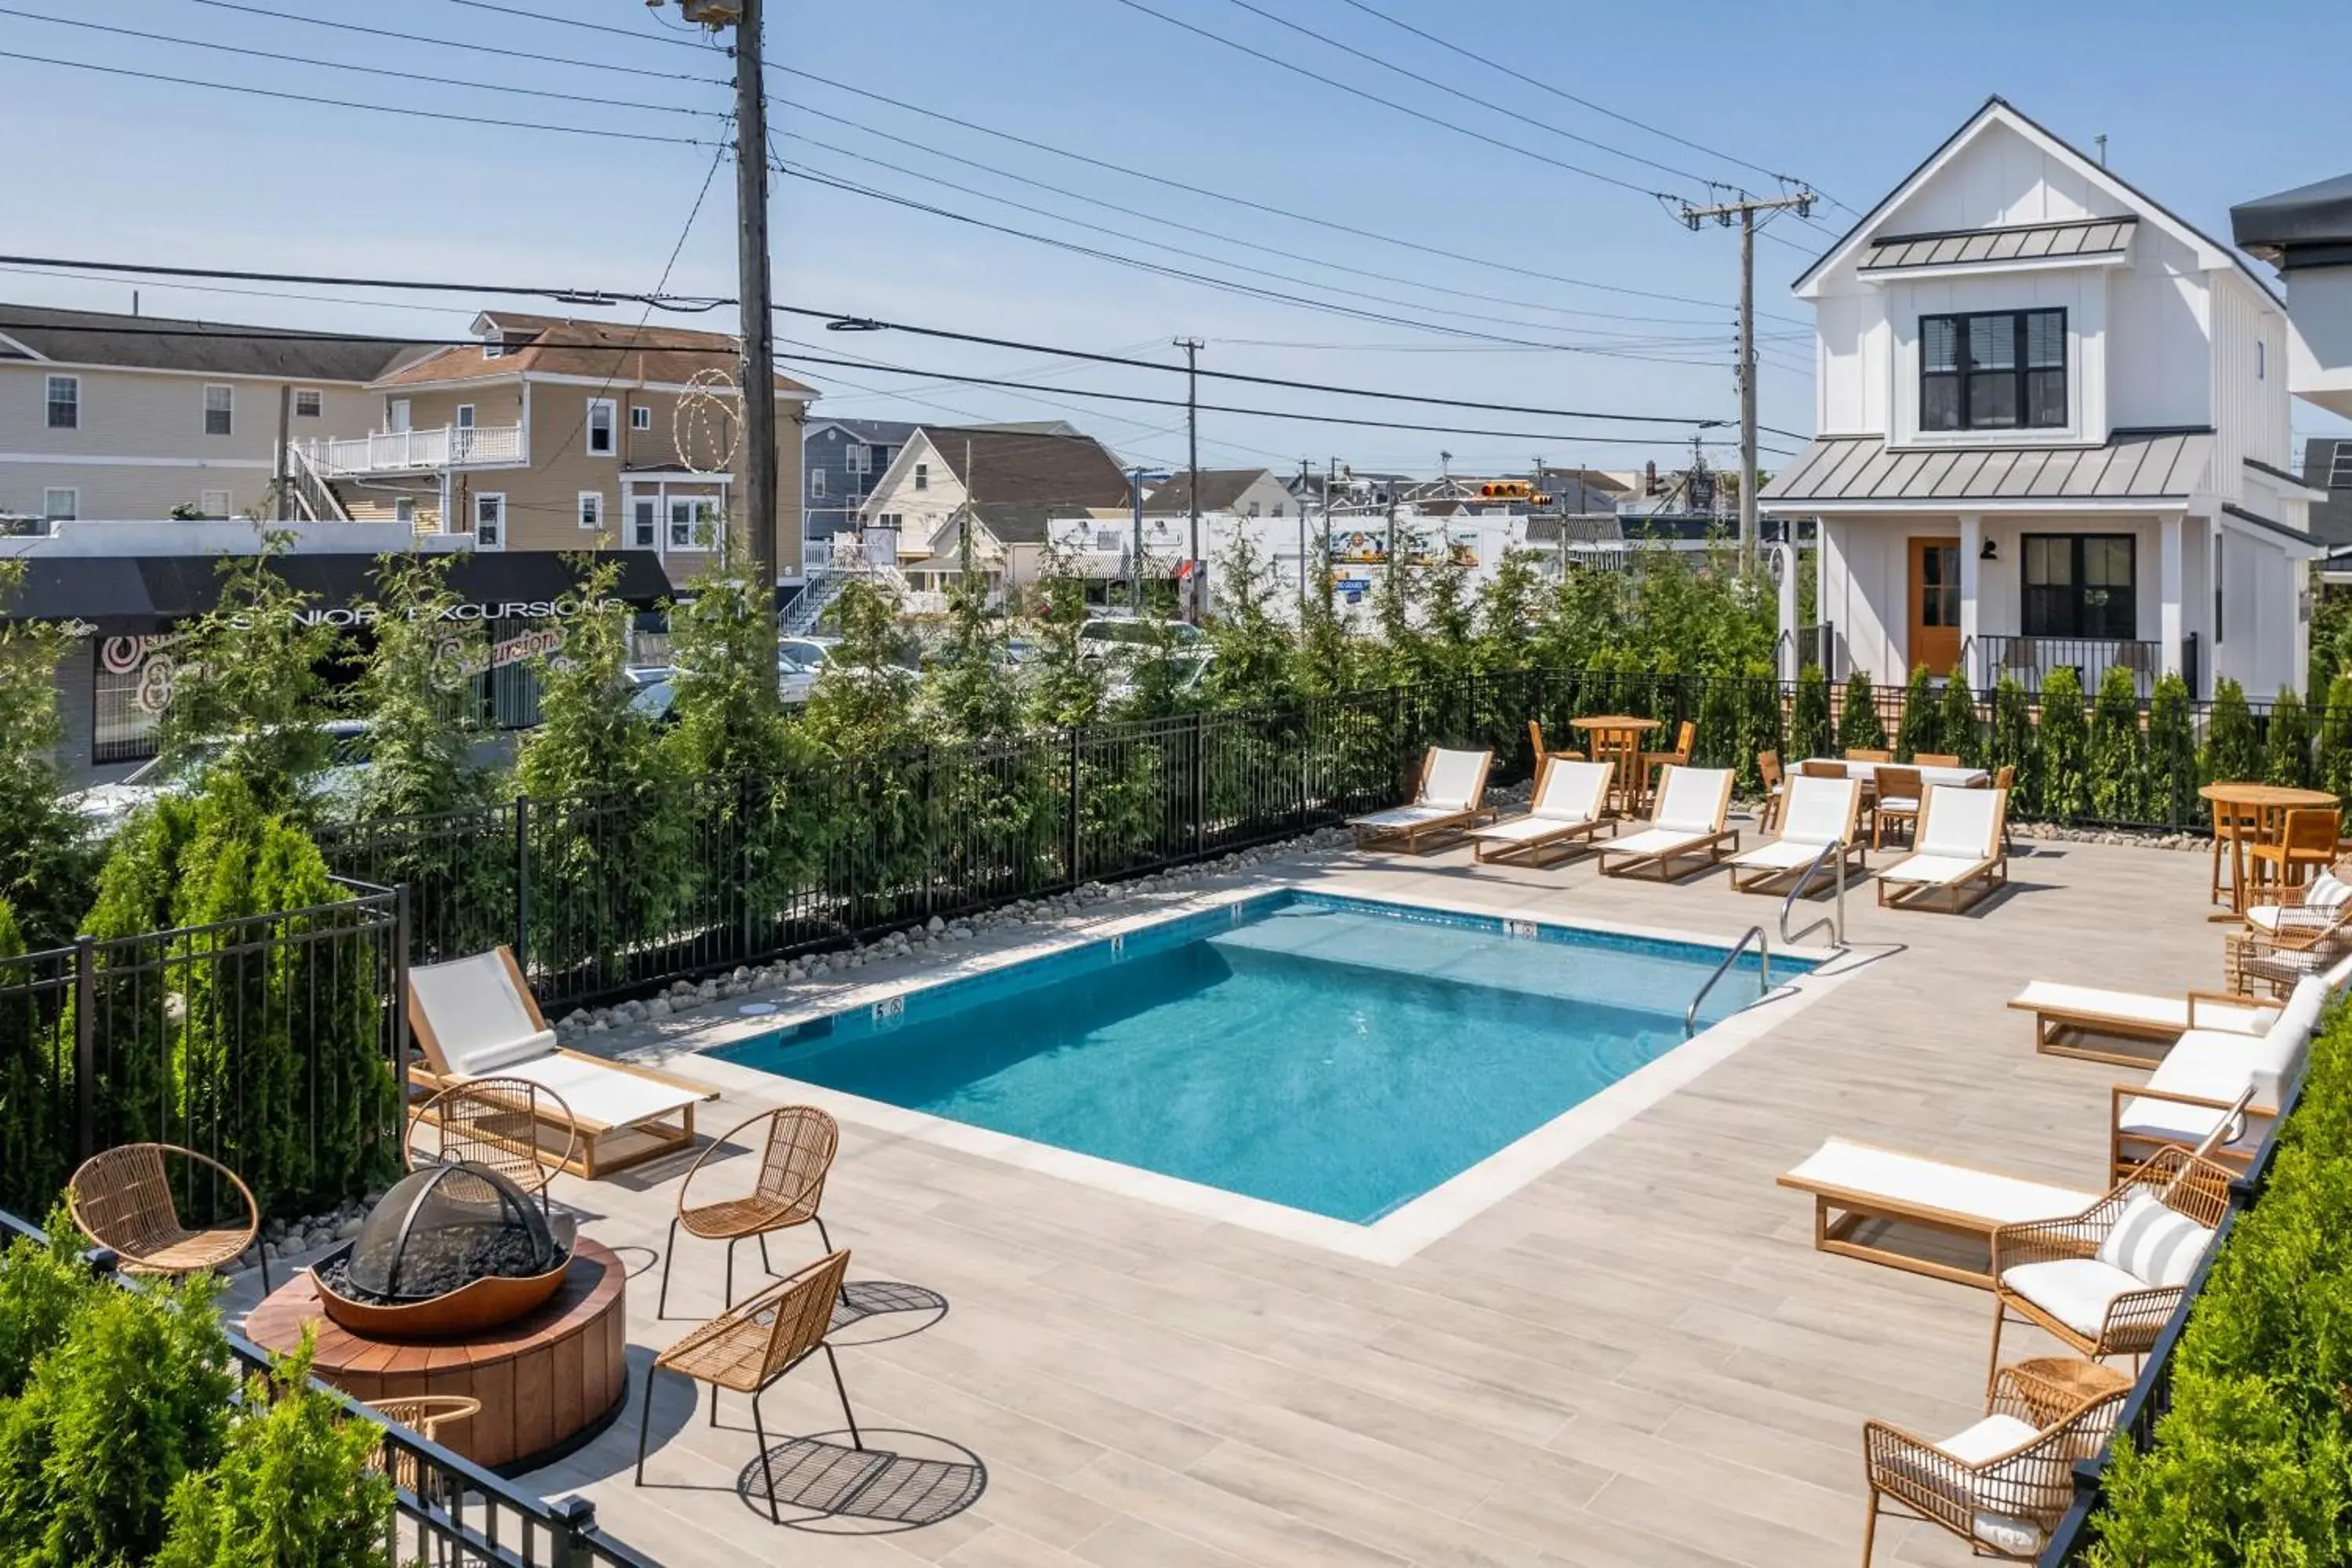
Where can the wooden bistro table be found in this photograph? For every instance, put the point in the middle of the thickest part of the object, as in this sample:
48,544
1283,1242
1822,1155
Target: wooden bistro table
2270,803
1617,738
548,1382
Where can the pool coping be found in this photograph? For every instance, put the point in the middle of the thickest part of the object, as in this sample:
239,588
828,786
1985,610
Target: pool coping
1395,1237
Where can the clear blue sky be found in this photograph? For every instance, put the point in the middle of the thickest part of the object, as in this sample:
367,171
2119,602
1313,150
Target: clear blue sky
2201,109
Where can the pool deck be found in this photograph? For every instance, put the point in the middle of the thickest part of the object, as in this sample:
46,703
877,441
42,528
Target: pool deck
1634,1358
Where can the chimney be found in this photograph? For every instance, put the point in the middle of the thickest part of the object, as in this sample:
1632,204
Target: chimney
1650,478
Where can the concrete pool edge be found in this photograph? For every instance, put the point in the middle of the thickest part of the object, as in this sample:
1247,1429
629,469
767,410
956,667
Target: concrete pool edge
1396,1236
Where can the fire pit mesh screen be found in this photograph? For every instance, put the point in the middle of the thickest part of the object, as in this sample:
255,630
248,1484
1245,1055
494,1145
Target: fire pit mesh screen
445,1226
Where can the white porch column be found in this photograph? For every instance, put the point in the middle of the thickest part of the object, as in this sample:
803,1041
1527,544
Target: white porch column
2169,591
1971,547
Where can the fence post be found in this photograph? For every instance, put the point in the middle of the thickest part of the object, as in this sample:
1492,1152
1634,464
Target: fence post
1199,785
84,1047
575,1520
400,1001
522,884
744,794
1077,870
931,832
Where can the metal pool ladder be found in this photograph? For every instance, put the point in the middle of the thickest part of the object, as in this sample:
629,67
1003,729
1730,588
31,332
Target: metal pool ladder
1833,852
1763,959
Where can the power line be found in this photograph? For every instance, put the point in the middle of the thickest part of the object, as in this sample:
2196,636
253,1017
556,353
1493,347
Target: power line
629,32
1370,97
470,47
1332,224
1493,65
369,70
347,103
843,318
1388,65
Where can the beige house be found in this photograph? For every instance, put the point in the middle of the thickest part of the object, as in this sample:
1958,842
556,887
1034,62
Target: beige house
553,434
123,417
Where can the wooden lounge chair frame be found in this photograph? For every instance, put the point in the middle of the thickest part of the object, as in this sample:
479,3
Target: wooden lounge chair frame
1779,879
1840,1212
2236,1121
1572,836
599,1148
1374,836
1707,848
1965,891
2070,1032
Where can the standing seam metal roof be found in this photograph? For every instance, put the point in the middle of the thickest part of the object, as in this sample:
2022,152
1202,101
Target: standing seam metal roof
2022,242
2134,465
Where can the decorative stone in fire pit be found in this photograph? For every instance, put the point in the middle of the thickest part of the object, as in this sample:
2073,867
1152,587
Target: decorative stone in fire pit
451,1249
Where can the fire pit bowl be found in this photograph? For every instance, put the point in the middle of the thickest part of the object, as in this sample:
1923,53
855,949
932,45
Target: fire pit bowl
450,1250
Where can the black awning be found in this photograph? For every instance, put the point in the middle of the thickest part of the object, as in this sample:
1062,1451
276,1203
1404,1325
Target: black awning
152,593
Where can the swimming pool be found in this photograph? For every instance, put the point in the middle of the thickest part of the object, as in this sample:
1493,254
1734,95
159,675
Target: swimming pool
1337,1055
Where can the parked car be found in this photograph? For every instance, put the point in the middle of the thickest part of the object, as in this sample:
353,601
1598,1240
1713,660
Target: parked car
105,806
1106,635
799,661
1191,669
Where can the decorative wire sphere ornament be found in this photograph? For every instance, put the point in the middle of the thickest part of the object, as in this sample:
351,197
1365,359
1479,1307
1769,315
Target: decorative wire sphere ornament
707,419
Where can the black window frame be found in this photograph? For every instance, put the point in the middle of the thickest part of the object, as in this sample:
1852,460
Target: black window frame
2021,371
2035,601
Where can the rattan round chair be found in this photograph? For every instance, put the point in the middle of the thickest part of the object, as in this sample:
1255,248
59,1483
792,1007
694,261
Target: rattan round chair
121,1199
797,1154
521,1129
425,1414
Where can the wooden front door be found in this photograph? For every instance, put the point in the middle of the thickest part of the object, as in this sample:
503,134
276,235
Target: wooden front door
1936,604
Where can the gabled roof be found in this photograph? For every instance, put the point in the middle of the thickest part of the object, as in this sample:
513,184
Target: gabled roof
1013,466
1997,111
1220,491
881,432
1017,522
557,346
166,343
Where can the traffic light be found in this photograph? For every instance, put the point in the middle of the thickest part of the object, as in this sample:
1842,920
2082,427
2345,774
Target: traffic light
1539,498
1506,490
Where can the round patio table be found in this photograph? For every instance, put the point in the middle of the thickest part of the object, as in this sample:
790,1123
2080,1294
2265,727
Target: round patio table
2270,803
1617,738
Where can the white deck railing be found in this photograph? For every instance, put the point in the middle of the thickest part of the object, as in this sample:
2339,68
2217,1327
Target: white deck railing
410,451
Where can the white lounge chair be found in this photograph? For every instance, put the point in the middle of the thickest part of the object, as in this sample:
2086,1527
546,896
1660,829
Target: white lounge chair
1449,799
474,1017
2069,1020
1693,804
2214,1082
1960,854
1570,806
1815,814
1857,1185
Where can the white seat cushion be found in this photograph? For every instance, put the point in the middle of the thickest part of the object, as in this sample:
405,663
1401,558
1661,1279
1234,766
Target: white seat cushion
1929,870
1655,841
2205,1064
479,1021
2138,1009
1524,829
1915,1183
1780,855
2074,1291
1898,803
2154,1243
595,1093
2004,1533
1405,816
2006,1493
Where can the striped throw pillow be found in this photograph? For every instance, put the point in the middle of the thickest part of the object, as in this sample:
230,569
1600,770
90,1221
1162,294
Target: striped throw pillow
2154,1243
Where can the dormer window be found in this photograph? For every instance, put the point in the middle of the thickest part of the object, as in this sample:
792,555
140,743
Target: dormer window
1993,370
493,348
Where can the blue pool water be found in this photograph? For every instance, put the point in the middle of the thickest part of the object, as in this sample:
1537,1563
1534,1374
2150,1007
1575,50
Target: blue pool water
1337,1055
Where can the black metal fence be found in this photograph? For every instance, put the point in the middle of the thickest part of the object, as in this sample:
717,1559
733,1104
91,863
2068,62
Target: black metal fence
2151,1395
270,1043
446,1509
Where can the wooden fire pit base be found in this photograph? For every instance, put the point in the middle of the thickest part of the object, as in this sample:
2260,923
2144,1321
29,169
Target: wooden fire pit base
548,1381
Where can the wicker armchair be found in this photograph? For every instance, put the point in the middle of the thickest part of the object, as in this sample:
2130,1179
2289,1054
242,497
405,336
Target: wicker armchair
2039,1272
750,1348
521,1129
424,1414
2002,1484
793,1163
121,1198
2285,938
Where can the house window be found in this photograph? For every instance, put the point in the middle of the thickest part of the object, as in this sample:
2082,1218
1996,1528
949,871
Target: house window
2261,359
62,504
592,509
2221,553
65,403
640,417
1993,370
213,503
601,426
642,514
859,456
816,483
922,476
493,348
1253,508
489,522
689,524
2080,585
220,403
306,402
404,511
465,417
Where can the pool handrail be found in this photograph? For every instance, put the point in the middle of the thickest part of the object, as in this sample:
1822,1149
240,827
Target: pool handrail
1834,852
1764,964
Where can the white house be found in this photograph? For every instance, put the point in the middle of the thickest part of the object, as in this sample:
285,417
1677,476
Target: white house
2053,431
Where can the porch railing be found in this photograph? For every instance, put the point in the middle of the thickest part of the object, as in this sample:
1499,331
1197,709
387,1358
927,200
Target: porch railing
410,451
2031,660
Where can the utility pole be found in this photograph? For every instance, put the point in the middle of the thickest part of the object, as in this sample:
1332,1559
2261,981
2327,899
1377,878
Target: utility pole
1195,585
1745,210
285,485
1302,541
1135,477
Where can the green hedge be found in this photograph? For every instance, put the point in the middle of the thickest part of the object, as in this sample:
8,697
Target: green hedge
2252,1463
